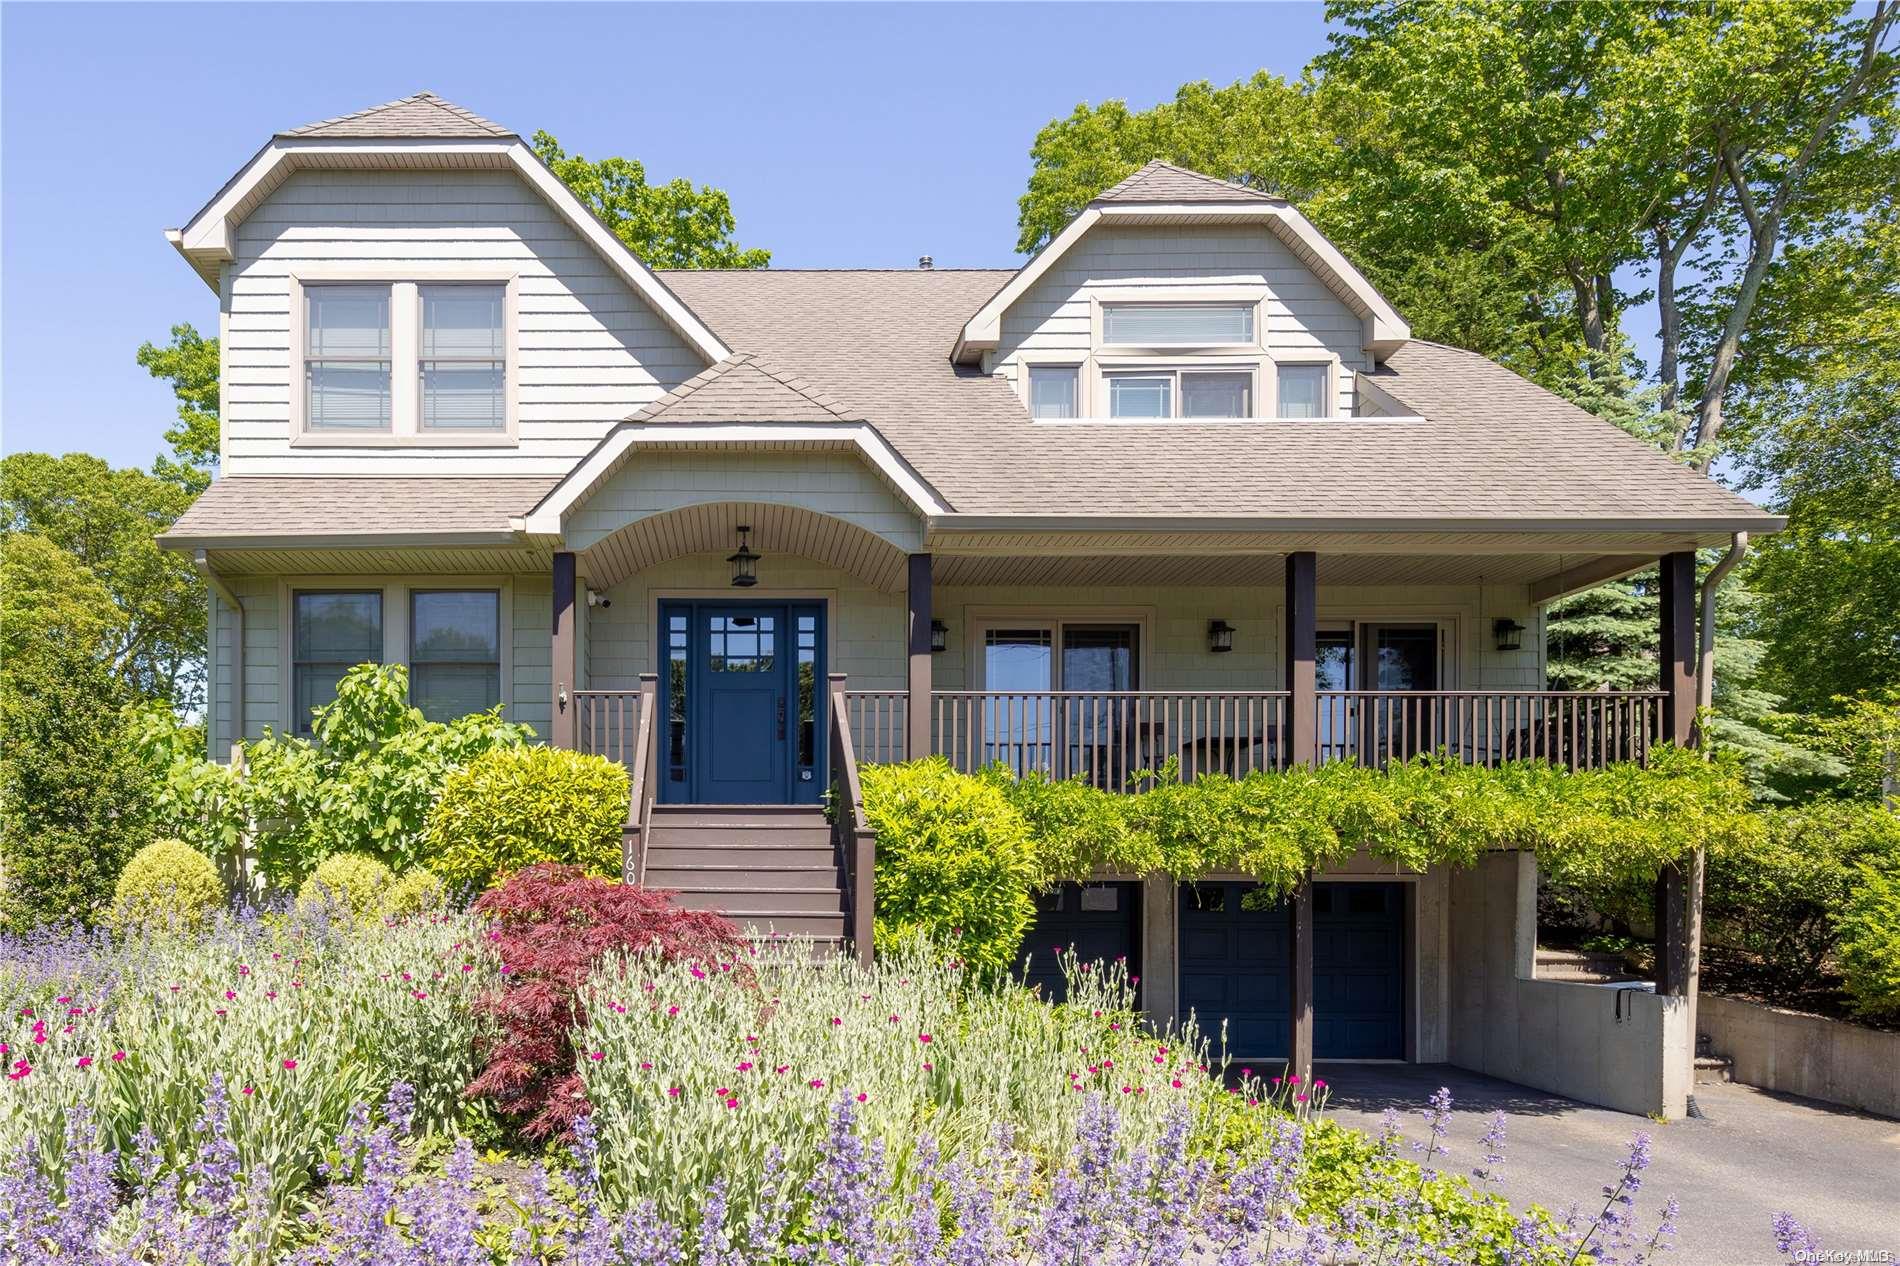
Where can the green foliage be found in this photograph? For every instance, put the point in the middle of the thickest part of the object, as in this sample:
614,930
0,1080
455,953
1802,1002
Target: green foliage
350,884
674,225
190,364
955,861
363,783
167,884
73,801
1864,735
1869,930
106,520
1076,828
515,807
417,890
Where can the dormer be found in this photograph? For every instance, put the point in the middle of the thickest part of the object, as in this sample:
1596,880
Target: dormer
409,288
1174,296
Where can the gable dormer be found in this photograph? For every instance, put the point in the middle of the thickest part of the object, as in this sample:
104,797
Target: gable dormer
409,289
1177,296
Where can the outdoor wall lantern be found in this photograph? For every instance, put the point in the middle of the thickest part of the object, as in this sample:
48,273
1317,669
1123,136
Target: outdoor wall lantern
939,637
1509,633
745,563
1220,636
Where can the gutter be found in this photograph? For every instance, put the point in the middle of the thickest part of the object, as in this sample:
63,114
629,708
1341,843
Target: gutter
223,593
1705,660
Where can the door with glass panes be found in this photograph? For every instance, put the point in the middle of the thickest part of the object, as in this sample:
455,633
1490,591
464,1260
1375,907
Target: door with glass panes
1058,699
1392,661
744,703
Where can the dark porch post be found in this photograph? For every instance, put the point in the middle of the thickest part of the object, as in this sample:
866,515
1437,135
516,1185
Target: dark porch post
1302,637
1678,887
566,653
917,706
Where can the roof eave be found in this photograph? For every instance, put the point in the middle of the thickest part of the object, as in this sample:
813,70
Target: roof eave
233,541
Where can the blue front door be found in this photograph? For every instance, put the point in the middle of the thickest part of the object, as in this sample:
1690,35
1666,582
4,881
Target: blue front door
744,702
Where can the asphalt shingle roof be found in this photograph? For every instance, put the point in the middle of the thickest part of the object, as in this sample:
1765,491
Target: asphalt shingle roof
1157,181
421,116
318,506
744,387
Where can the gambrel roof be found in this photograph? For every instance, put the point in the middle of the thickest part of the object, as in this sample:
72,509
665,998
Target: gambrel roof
421,115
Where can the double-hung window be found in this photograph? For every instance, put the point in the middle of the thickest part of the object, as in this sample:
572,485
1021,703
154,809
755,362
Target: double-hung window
331,633
454,651
1054,391
463,358
1181,393
346,381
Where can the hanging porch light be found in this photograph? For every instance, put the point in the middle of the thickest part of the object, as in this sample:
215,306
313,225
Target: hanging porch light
745,563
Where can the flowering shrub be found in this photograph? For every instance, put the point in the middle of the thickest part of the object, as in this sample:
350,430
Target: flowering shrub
1101,1199
551,926
517,807
167,883
294,1016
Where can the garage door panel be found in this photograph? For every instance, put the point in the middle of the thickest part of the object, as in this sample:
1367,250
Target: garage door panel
1101,921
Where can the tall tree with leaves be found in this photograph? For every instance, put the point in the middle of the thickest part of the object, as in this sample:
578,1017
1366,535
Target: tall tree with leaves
190,364
153,636
674,225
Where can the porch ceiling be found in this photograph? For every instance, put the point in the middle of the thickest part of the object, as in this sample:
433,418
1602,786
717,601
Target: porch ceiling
776,529
1549,574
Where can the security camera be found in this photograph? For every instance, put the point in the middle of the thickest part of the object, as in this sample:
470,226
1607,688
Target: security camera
595,598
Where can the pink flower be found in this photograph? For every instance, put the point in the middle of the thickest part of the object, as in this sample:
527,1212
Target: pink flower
723,1091
672,1092
20,1069
924,1038
230,996
468,967
118,1057
672,1010
243,970
929,1067
250,1090
863,1098
893,1019
732,1103
646,1065
1176,1083
5,1049
1319,1083
780,1068
421,994
1300,1097
290,1065
835,1021
816,1083
597,1056
745,1065
84,1061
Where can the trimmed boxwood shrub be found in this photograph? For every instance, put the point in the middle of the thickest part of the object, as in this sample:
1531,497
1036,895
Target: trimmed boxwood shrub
518,807
1870,942
415,891
348,882
955,860
167,883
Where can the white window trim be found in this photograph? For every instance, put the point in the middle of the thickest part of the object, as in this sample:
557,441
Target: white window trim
1169,296
405,342
1174,369
1329,394
1077,364
395,624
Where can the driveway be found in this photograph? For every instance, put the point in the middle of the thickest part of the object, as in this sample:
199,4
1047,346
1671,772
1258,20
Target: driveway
1752,1155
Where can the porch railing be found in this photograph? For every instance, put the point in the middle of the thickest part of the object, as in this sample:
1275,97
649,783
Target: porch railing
1573,728
1106,737
851,836
621,725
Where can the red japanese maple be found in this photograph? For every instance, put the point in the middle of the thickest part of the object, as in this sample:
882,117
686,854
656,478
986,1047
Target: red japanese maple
551,925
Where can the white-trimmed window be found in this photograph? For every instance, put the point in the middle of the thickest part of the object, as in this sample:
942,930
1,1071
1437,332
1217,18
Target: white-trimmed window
454,651
1303,391
332,631
1055,391
463,357
346,367
1177,324
1181,393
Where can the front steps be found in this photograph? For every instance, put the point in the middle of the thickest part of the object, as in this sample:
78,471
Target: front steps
771,869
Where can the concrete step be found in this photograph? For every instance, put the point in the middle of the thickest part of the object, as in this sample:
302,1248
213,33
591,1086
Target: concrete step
1711,1069
1579,966
732,901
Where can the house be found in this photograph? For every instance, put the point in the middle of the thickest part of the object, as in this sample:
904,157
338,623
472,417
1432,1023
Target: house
1181,486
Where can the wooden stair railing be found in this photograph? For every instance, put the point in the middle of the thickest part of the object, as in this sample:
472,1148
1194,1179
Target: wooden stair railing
644,783
851,835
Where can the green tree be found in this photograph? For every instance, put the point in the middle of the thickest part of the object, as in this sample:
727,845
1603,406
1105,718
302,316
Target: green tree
190,364
72,793
674,225
106,520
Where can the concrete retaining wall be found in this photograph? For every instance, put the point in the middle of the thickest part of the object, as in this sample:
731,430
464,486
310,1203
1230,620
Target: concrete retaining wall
1806,1055
1621,1048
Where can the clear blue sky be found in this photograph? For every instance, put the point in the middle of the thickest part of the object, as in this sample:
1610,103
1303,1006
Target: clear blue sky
849,135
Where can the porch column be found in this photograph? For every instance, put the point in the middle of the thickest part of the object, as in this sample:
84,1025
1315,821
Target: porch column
1301,738
1678,886
566,674
917,706
1302,639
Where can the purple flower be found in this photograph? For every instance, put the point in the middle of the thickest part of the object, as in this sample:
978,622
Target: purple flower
1794,1240
1493,1144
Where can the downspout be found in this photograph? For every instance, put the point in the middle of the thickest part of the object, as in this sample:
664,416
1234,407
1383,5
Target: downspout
1705,647
223,592
1704,699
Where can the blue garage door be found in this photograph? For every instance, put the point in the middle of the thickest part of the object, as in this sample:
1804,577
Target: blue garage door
1233,963
1102,921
